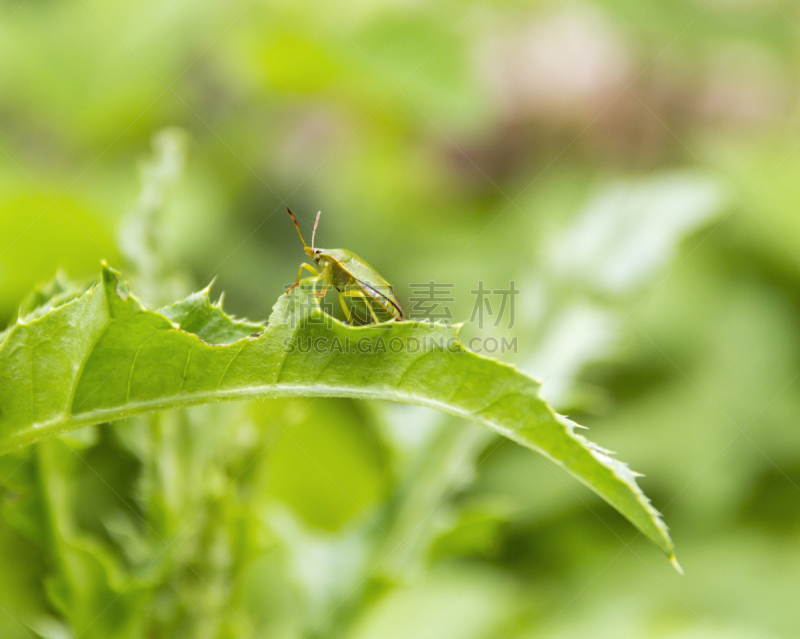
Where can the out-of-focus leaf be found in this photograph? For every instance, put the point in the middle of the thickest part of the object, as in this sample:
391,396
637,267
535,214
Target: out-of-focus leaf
104,357
328,466
81,576
459,603
630,230
39,234
141,235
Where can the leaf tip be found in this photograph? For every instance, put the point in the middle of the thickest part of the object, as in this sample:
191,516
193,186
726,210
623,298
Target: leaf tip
675,563
207,289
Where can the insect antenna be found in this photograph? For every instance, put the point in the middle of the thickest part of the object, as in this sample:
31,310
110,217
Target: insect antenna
297,226
314,233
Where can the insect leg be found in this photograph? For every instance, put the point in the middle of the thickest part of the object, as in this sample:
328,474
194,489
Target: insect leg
305,266
384,300
345,309
308,267
387,306
367,300
325,277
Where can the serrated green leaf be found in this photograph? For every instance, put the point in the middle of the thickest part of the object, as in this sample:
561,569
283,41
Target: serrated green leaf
196,314
102,356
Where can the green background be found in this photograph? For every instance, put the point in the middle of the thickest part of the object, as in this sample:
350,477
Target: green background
631,166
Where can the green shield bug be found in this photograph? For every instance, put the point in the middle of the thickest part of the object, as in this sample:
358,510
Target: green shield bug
351,276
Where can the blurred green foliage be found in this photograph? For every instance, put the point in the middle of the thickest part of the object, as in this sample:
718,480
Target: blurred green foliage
454,142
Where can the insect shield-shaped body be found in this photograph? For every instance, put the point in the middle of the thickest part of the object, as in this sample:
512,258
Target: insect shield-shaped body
352,277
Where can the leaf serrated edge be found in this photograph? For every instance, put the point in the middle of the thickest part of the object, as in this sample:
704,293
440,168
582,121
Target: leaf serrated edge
72,420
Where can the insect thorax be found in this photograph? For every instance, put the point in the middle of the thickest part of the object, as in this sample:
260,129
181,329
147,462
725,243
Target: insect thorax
340,278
